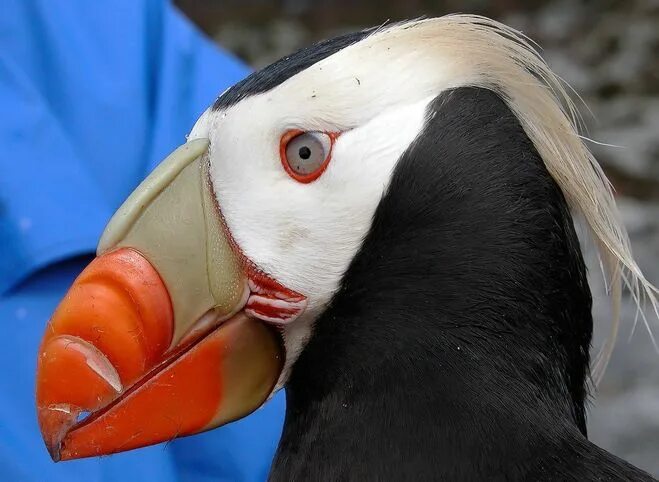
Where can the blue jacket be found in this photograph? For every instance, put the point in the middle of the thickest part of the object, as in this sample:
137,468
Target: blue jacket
93,94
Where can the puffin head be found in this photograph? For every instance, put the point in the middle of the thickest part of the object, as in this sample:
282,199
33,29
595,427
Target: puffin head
376,191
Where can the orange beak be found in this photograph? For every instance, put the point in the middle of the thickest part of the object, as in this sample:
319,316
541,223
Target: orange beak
151,341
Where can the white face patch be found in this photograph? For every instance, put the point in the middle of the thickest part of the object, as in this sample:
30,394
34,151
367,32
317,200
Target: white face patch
303,235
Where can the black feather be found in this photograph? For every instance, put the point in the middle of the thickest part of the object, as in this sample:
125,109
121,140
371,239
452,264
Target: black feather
457,346
274,74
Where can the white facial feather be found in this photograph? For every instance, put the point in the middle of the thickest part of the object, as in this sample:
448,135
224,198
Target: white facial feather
303,235
376,92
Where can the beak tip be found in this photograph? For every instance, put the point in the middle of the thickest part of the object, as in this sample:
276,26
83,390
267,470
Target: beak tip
54,451
54,427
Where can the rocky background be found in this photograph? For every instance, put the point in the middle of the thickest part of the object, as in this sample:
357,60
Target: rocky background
608,50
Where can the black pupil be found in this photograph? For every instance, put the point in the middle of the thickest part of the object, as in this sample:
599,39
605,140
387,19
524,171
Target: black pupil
304,152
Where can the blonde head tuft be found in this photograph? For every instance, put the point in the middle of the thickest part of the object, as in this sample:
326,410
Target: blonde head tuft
485,53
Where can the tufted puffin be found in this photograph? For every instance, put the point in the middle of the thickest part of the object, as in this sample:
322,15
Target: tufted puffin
381,223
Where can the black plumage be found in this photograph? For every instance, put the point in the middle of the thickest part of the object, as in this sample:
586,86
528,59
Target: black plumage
274,74
457,345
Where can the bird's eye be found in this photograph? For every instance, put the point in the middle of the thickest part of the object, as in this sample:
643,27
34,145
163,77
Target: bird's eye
305,155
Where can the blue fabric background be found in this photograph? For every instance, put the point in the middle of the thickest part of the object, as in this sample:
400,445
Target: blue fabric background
93,94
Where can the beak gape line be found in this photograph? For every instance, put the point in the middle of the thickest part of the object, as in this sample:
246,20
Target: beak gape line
163,334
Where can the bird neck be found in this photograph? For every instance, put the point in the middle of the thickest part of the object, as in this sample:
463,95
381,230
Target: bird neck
403,426
441,411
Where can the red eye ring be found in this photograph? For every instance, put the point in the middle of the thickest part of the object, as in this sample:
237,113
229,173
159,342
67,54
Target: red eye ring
304,178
